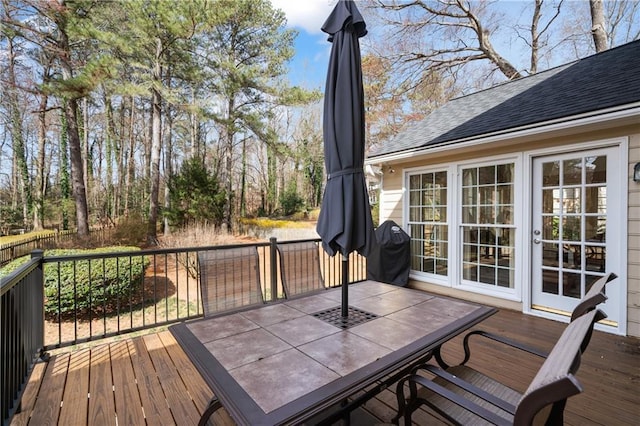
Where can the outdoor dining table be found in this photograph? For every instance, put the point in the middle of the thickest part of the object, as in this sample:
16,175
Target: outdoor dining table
288,362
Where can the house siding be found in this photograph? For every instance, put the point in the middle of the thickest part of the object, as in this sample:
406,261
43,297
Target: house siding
391,202
633,242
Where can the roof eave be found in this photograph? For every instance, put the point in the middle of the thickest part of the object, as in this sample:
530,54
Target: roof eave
617,113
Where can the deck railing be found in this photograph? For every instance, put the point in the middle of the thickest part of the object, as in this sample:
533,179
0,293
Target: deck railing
21,330
161,287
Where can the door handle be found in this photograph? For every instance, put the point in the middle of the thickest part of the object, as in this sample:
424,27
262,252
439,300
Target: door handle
536,240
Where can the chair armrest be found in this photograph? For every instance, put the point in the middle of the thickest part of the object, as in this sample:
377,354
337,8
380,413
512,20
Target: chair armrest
501,339
459,400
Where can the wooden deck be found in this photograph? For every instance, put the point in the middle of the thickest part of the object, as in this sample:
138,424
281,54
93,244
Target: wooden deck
149,380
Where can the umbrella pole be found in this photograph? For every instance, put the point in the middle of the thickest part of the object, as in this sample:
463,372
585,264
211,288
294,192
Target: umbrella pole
345,285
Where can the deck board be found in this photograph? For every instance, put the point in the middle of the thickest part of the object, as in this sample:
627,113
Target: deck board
152,398
152,376
74,409
101,404
125,390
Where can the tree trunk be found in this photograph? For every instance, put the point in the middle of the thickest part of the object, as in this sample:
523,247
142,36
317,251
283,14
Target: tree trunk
130,166
228,141
73,135
156,147
64,171
19,150
243,180
168,169
40,183
77,175
598,27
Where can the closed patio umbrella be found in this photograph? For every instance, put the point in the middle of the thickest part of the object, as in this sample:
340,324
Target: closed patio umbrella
345,221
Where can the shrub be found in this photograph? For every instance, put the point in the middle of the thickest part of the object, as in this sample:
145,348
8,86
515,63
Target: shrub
196,195
92,285
131,230
291,202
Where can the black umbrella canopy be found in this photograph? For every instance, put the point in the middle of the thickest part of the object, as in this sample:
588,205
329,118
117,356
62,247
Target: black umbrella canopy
345,221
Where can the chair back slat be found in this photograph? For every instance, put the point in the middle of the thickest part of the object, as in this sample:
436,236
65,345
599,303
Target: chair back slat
229,279
300,268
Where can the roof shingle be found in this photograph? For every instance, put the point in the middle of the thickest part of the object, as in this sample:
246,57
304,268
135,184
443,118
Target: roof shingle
605,80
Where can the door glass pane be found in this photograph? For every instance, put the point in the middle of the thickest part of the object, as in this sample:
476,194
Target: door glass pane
594,258
571,284
572,172
550,281
550,254
551,173
596,199
571,256
571,228
596,169
550,227
551,201
571,200
595,228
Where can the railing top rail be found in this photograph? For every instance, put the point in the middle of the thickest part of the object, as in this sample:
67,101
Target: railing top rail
13,278
103,255
145,252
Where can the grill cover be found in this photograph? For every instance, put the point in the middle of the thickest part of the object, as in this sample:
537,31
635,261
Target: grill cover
390,258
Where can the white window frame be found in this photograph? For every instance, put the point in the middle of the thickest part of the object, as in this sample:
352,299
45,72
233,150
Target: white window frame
454,204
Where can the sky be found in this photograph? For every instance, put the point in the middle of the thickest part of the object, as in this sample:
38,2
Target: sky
309,65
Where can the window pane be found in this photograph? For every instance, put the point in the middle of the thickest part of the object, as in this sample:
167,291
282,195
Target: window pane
503,215
487,175
440,179
505,173
414,182
504,194
470,271
489,247
469,196
428,215
469,215
487,214
486,194
470,177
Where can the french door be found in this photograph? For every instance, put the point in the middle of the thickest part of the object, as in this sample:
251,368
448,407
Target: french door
575,237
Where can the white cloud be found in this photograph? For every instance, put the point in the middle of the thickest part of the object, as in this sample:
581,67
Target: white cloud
306,14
